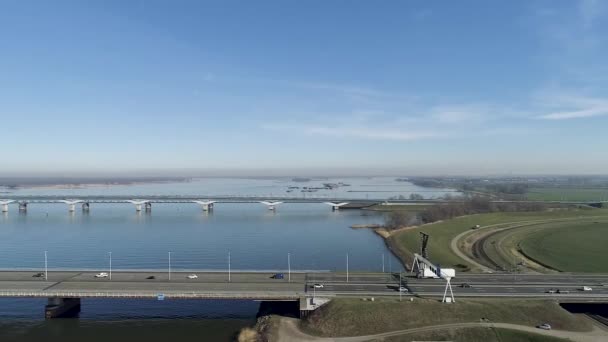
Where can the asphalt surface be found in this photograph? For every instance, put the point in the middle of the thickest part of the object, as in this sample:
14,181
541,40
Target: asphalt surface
263,286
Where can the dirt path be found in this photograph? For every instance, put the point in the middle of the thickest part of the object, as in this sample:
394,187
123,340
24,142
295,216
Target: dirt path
289,331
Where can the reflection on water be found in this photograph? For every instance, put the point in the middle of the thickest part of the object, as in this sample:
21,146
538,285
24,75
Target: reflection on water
127,320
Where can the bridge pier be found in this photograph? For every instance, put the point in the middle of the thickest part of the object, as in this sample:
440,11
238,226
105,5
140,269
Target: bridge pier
336,206
86,206
206,205
4,204
139,204
62,307
272,206
23,206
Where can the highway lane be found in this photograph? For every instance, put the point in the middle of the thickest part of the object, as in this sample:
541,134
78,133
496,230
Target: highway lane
262,285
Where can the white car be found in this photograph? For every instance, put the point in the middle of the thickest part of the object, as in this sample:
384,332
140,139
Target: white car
403,289
318,286
587,288
544,326
192,276
101,275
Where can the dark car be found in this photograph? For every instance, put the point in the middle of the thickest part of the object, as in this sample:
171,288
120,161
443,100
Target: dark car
38,275
278,276
465,285
151,277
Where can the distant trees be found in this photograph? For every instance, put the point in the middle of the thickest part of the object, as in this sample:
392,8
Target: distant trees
475,205
416,197
399,219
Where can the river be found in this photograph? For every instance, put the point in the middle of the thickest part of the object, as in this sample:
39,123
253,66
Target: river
258,239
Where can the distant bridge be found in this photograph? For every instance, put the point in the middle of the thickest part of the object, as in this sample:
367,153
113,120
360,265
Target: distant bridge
207,201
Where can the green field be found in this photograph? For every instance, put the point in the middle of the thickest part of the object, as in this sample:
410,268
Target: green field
574,248
568,194
407,242
355,317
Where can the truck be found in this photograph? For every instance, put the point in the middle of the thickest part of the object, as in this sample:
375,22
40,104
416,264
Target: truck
448,272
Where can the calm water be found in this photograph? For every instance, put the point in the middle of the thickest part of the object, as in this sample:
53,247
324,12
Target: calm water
258,239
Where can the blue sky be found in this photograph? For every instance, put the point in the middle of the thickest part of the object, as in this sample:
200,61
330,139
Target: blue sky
413,86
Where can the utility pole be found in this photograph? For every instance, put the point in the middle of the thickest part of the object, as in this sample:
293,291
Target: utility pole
382,262
288,267
229,266
399,286
110,253
347,267
169,266
46,268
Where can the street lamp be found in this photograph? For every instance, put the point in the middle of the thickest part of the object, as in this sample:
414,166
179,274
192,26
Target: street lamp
169,266
110,254
347,267
288,267
46,268
229,266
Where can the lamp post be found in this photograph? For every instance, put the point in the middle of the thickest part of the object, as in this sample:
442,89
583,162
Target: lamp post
46,268
347,267
110,254
229,266
169,266
288,267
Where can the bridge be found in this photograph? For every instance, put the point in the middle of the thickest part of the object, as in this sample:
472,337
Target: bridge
207,202
65,288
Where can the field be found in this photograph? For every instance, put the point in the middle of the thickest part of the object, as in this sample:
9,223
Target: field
354,317
406,242
573,248
568,194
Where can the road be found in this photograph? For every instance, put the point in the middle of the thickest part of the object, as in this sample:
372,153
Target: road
262,286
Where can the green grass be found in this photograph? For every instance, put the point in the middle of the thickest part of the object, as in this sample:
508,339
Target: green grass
355,317
573,248
480,334
407,242
567,194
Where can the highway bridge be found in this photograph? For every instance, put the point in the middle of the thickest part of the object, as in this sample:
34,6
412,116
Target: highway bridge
207,202
64,289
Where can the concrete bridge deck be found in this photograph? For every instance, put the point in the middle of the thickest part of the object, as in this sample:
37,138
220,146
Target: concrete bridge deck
245,285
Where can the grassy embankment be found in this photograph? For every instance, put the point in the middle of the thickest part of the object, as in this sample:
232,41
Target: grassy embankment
567,194
576,247
353,317
405,242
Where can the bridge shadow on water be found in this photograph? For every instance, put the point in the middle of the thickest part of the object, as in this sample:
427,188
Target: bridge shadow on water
597,311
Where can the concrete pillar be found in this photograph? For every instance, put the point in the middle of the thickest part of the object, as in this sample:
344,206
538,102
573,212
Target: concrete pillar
86,206
5,207
148,206
62,307
23,206
71,207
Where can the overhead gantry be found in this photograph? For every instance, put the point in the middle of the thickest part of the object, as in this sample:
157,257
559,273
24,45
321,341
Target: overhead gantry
139,204
206,205
336,206
271,205
426,269
4,204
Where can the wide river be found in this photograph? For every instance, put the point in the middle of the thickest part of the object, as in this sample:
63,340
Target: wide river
257,239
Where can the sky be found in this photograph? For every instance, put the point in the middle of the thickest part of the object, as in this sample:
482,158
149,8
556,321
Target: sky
408,87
